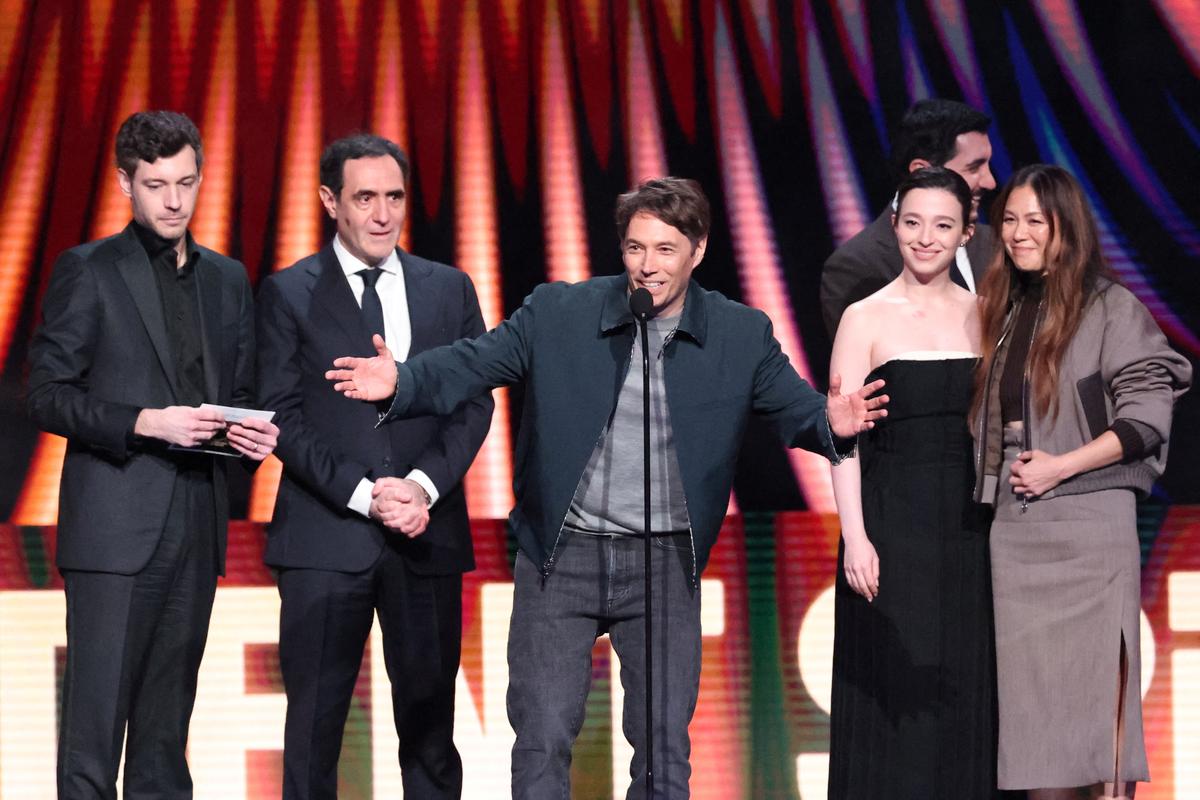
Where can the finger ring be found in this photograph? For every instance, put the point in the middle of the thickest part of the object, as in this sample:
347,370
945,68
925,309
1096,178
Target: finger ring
256,447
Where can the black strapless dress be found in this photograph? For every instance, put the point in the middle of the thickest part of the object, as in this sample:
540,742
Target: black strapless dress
913,713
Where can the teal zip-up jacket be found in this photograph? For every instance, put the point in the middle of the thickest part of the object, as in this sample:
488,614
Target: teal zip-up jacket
570,344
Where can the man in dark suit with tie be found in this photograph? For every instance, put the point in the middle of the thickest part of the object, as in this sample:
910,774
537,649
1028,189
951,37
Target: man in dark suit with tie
368,518
937,133
137,330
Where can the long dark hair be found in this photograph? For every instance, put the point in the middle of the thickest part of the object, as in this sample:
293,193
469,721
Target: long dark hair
1074,262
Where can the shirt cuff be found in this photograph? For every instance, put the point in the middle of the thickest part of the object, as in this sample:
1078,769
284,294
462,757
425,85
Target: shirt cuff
1137,439
843,448
386,413
360,501
422,480
131,438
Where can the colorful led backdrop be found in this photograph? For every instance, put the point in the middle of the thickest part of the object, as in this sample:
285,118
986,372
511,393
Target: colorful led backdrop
524,119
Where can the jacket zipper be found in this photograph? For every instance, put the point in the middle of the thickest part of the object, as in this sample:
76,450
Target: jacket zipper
1026,416
1027,437
691,534
987,396
549,565
692,542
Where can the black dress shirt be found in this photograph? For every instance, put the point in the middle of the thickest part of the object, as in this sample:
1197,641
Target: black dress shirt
181,310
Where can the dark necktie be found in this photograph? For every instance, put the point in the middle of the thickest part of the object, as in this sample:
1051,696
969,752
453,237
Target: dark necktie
372,309
955,275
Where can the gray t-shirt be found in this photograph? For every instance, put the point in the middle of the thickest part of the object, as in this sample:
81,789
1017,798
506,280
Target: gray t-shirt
609,498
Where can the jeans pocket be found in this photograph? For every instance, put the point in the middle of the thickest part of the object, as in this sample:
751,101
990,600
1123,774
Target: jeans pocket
676,541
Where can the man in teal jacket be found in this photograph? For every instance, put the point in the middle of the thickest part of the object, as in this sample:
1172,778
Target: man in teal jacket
578,482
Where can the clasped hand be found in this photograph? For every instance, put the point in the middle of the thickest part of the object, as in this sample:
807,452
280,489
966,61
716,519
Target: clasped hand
400,505
1036,472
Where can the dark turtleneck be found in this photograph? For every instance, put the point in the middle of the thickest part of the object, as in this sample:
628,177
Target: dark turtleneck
1012,380
181,309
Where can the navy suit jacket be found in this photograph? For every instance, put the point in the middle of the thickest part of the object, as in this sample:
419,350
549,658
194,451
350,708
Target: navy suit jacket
100,356
308,317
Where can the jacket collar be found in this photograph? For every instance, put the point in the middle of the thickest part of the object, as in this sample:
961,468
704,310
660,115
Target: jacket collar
154,244
616,314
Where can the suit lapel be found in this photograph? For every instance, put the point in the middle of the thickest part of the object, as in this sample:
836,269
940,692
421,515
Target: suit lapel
333,292
422,314
138,275
883,234
208,292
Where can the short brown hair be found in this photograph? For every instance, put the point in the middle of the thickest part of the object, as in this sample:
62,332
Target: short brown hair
151,135
679,202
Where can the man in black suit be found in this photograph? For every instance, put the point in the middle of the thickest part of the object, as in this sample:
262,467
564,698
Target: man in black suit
368,518
137,330
937,133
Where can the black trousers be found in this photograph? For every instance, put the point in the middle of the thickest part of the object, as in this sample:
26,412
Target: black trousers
325,619
134,644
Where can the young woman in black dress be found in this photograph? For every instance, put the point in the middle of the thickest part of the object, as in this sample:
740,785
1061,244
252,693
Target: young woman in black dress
913,683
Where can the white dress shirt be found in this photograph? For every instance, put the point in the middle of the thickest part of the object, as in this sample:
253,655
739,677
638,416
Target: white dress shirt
397,328
963,262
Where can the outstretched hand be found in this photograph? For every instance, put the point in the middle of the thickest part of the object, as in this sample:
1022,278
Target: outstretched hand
851,414
365,378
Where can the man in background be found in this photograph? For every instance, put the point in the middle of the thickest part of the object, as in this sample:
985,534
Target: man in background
937,133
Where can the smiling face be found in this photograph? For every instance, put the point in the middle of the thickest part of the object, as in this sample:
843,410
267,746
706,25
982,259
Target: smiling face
1025,230
370,209
163,192
660,259
929,228
972,160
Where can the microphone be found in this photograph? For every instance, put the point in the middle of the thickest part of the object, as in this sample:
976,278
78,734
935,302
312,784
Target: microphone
641,303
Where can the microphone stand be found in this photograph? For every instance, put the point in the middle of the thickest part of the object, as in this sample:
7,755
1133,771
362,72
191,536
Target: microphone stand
641,303
646,529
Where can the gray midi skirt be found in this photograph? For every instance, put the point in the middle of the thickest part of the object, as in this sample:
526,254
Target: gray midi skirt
1066,583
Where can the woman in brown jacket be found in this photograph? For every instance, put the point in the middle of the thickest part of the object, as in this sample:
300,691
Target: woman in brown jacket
1072,412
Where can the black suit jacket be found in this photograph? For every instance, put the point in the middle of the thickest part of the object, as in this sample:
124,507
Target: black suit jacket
100,356
307,317
871,259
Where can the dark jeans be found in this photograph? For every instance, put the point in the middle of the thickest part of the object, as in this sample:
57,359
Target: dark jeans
598,586
324,622
134,644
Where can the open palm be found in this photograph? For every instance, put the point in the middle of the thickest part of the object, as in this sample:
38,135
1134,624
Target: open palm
854,413
371,378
